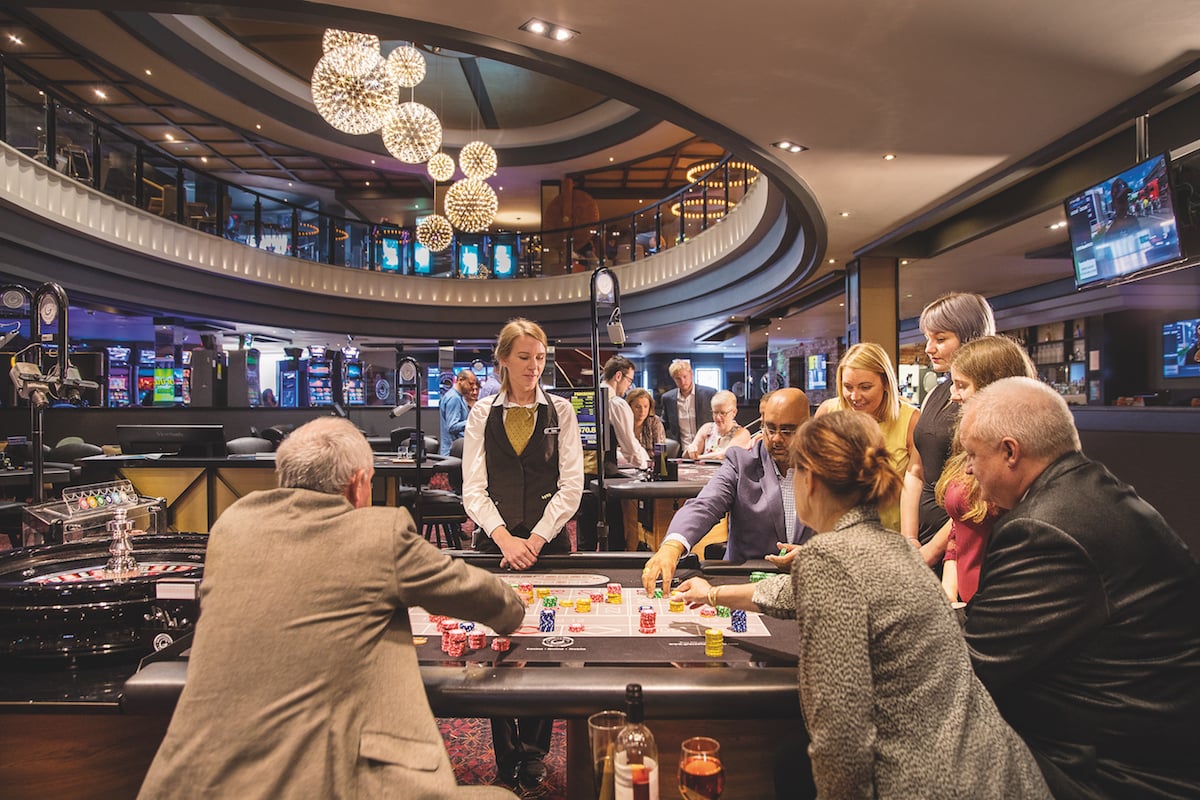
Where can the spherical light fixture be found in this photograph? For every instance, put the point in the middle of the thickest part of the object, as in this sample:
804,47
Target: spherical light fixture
435,233
406,65
412,133
441,167
471,205
334,38
477,160
352,91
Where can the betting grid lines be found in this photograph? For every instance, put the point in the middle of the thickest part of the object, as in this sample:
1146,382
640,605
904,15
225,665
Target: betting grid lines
605,619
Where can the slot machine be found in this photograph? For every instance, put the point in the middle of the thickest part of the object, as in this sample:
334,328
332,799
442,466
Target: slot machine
119,378
183,379
241,380
145,377
354,390
293,379
320,377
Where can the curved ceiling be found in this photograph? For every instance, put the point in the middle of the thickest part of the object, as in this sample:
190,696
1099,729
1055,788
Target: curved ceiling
970,98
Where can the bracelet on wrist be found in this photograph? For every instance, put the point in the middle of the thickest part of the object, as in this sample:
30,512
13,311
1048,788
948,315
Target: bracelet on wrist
713,595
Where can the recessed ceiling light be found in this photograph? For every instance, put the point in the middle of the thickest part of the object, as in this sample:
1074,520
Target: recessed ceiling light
610,159
368,183
844,214
841,305
1057,225
790,146
904,262
289,183
203,159
12,37
100,93
258,127
889,156
543,28
372,161
833,261
148,72
170,138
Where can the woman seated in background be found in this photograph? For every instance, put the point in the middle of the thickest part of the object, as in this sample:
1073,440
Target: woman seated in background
975,365
723,432
647,428
866,382
889,698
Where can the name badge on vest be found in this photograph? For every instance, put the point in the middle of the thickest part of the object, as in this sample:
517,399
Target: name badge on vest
550,432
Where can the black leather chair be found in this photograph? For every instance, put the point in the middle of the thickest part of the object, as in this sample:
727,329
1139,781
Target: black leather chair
403,435
246,445
672,448
64,456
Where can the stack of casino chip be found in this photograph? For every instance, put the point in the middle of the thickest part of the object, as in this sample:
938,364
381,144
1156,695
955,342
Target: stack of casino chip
597,597
658,594
543,592
501,644
614,594
447,627
647,619
575,627
550,601
583,605
466,626
708,611
546,620
476,641
723,611
756,576
675,604
714,643
737,621
457,646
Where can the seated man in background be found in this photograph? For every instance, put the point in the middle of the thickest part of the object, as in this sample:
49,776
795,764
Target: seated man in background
754,487
455,406
723,432
1085,627
303,680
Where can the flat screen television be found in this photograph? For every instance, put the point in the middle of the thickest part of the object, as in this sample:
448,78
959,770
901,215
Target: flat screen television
817,372
1181,349
188,441
584,403
1124,226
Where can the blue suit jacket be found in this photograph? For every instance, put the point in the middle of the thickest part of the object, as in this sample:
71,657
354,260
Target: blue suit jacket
746,488
453,410
670,411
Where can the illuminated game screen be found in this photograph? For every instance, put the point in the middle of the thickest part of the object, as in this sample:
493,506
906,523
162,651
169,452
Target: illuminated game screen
1124,225
504,261
1181,349
584,403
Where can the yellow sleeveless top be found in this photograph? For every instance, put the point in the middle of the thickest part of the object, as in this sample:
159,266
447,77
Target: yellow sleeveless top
895,434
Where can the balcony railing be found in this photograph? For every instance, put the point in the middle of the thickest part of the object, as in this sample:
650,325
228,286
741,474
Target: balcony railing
141,174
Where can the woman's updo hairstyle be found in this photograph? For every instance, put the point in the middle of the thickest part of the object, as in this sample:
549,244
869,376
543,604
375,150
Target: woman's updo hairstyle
847,451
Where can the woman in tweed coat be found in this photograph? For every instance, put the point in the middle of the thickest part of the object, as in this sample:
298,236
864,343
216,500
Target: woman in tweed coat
890,702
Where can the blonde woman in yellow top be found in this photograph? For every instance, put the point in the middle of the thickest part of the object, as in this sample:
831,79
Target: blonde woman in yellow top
866,382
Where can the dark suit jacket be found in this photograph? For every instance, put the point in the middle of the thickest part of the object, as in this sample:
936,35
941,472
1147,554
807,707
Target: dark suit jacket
1086,631
745,487
303,680
670,411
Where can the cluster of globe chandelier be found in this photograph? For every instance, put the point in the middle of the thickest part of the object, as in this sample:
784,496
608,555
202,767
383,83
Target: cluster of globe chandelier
357,91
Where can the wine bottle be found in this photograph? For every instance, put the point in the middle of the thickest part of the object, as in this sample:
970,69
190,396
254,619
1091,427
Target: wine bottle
636,762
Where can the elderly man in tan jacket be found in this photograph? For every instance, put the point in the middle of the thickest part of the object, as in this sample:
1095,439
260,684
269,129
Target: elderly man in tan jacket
303,680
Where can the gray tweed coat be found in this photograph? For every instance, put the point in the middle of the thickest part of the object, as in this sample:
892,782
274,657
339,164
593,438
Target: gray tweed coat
891,704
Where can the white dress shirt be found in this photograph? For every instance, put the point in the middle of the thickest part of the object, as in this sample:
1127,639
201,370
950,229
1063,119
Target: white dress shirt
685,407
620,415
562,505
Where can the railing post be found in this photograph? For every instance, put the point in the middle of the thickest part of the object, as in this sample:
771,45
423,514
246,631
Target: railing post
96,156
3,102
295,232
51,133
258,242
139,172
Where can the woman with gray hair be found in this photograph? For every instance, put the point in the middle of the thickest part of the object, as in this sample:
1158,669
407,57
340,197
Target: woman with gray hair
948,323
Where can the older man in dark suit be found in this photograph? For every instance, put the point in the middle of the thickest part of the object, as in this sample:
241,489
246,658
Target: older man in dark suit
303,680
754,487
1086,625
686,407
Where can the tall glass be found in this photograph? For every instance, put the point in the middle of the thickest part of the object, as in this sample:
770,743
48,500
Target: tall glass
701,775
602,735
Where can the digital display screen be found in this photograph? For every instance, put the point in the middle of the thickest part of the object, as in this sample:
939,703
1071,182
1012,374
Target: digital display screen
504,261
1124,225
1181,349
389,255
422,259
468,260
584,403
164,386
817,372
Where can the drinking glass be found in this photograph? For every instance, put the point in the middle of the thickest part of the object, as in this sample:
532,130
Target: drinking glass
602,734
701,775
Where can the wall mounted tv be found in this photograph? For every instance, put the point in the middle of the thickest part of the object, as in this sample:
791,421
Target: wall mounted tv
1181,349
1124,226
817,372
188,441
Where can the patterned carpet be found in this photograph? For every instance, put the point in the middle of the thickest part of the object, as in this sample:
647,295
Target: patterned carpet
469,742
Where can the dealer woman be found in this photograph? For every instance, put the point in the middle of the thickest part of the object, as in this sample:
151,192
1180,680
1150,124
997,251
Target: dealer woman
522,481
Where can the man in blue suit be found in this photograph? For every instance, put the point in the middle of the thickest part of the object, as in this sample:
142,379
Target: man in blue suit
454,408
686,407
754,487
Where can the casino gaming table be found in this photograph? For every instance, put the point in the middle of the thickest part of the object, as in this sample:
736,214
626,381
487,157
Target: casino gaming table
746,698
